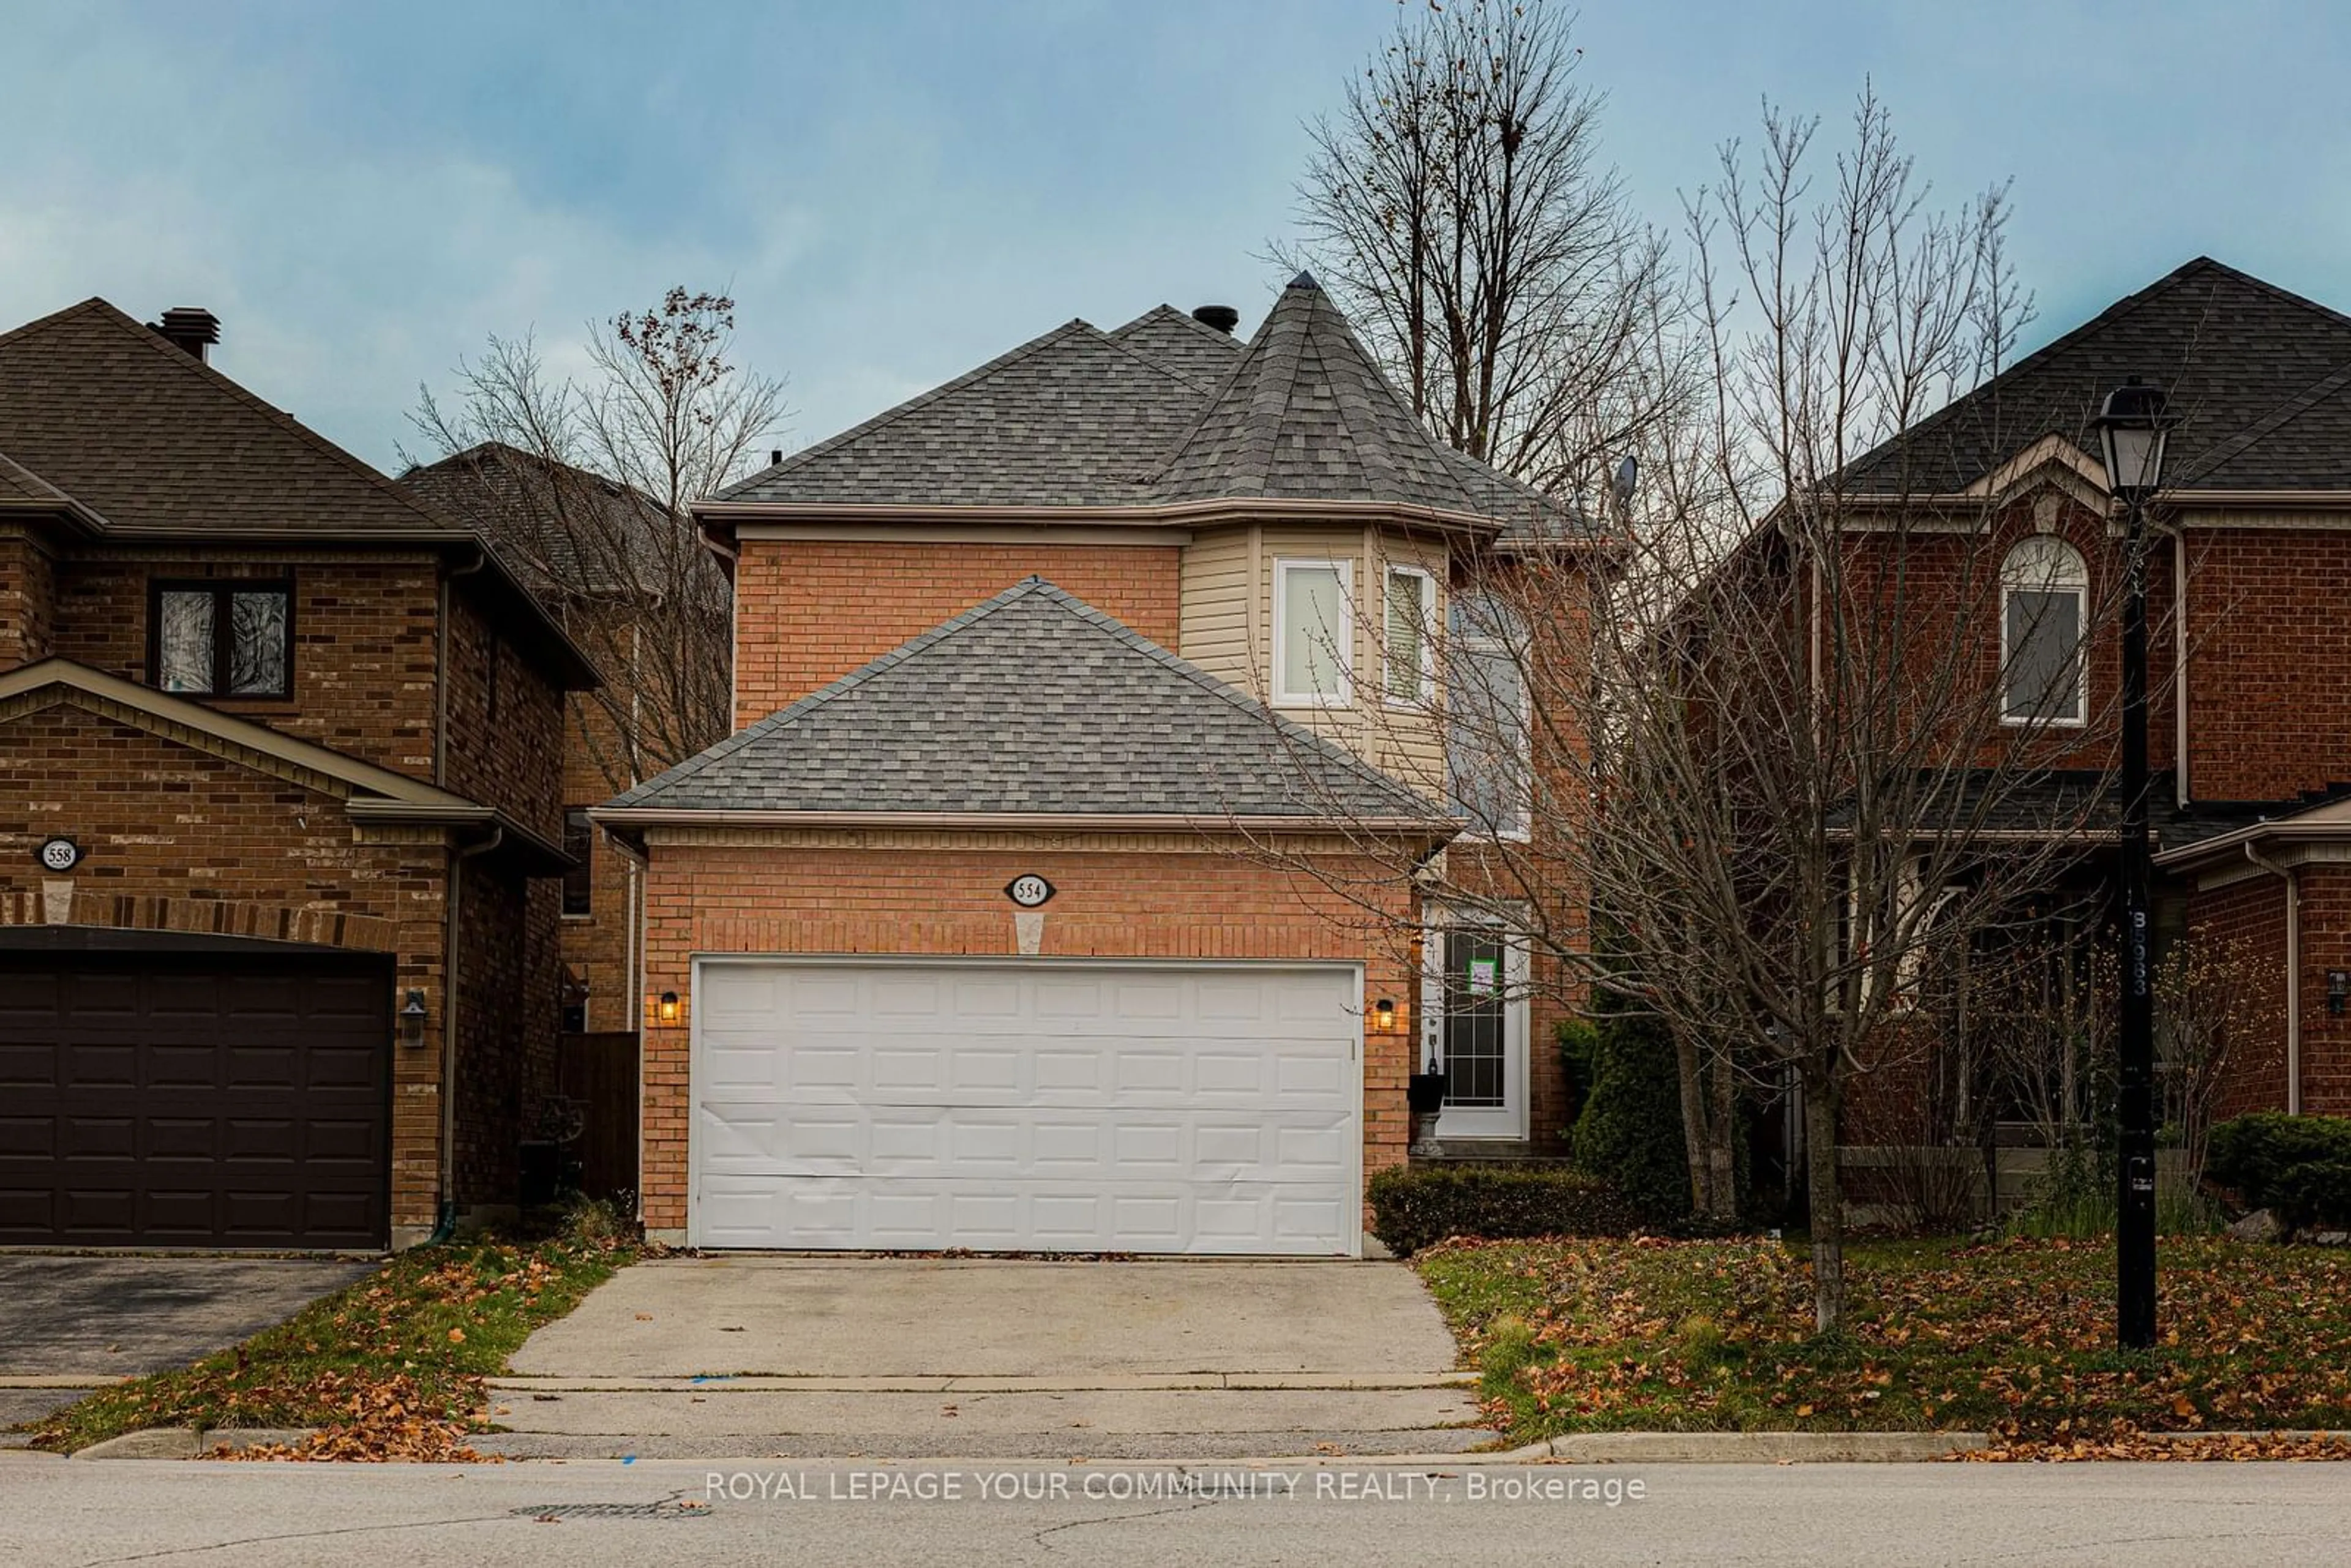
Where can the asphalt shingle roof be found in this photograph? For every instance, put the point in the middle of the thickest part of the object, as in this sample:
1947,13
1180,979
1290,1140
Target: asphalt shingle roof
1193,349
536,513
1306,416
1068,419
1161,409
2261,377
142,431
1032,702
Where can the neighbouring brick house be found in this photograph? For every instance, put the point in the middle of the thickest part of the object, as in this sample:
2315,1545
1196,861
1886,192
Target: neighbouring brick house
1048,894
2250,710
597,556
280,818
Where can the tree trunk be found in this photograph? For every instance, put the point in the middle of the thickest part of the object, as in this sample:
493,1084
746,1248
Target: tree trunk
1827,1195
1722,1143
1695,1126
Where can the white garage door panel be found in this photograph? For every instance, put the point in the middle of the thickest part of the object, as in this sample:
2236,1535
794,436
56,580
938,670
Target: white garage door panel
1025,1106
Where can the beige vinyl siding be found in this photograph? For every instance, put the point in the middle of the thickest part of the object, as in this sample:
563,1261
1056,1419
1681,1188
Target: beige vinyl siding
1227,621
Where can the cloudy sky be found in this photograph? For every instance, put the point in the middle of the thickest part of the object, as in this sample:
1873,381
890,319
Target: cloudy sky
894,190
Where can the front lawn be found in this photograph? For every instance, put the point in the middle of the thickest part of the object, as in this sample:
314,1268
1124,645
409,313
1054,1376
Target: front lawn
392,1367
2012,1337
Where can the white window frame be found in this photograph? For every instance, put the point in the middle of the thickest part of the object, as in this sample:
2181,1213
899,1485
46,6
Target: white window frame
2076,579
1425,690
1283,631
1481,643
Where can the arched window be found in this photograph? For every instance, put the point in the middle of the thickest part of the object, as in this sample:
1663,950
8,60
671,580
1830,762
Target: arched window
2044,605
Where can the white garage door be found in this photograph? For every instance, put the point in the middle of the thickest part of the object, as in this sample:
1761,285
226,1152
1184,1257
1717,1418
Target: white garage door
1028,1105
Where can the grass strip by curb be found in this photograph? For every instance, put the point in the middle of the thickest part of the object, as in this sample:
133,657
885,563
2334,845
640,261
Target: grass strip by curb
395,1363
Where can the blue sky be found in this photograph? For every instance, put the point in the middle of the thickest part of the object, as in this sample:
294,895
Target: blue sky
896,191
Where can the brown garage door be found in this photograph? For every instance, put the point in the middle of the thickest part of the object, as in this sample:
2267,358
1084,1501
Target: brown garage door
193,1094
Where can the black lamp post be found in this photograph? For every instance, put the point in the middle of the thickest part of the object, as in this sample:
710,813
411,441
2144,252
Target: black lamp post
2133,428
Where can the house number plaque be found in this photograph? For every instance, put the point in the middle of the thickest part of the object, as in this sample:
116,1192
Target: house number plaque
60,854
1028,890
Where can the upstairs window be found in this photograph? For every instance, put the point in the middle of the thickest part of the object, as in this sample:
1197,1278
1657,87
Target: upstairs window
579,843
1314,633
1489,754
2044,603
1411,603
226,637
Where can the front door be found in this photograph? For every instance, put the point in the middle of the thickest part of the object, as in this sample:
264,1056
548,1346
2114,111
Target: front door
1474,1000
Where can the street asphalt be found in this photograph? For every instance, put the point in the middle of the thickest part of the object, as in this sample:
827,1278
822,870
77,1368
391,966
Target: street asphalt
78,1512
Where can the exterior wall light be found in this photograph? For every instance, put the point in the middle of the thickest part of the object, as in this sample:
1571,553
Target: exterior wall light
411,1018
1383,1014
668,1007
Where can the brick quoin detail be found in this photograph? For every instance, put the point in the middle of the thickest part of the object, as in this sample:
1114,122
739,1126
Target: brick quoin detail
723,897
808,612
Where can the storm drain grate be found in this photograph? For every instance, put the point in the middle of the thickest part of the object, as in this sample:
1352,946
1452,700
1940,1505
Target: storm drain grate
664,1509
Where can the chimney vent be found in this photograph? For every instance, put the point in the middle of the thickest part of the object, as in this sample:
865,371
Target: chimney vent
191,328
1223,318
775,456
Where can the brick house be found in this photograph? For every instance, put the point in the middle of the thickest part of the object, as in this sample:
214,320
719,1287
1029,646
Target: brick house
2250,719
1046,896
280,818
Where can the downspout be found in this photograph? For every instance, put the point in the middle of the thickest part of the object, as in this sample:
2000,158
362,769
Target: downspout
2180,663
449,950
2292,976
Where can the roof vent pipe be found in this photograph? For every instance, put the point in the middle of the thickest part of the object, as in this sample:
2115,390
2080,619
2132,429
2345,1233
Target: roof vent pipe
1223,318
189,329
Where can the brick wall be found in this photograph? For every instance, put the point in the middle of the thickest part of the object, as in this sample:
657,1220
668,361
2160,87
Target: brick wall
2269,670
809,611
1167,898
363,641
506,737
27,599
178,839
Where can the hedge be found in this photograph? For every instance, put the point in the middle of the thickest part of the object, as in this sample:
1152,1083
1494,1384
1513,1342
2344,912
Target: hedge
2315,1196
1413,1207
2255,1155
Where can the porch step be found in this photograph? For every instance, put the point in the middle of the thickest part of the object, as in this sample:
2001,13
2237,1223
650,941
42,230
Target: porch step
1494,1151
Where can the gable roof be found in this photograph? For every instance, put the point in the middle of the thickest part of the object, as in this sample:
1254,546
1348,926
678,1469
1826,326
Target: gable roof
1162,412
2262,378
152,437
533,510
1032,704
367,790
107,420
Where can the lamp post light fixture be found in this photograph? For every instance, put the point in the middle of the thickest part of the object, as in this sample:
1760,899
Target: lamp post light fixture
2134,429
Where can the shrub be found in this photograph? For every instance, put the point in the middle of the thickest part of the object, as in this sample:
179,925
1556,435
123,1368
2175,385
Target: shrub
2317,1194
1579,1045
1630,1133
1415,1206
2253,1155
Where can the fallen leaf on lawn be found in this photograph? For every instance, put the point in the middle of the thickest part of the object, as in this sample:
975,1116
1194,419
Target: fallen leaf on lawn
456,1336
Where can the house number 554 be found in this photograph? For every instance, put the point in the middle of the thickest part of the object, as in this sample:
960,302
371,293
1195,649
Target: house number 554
1028,890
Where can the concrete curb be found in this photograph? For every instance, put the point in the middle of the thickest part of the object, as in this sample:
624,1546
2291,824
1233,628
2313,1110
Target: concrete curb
1757,1448
188,1443
941,1382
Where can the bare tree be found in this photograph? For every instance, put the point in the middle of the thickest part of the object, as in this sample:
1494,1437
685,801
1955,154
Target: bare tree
585,486
1804,719
1458,209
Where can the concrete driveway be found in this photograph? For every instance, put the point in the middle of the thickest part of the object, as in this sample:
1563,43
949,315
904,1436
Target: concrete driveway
71,1323
795,1356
